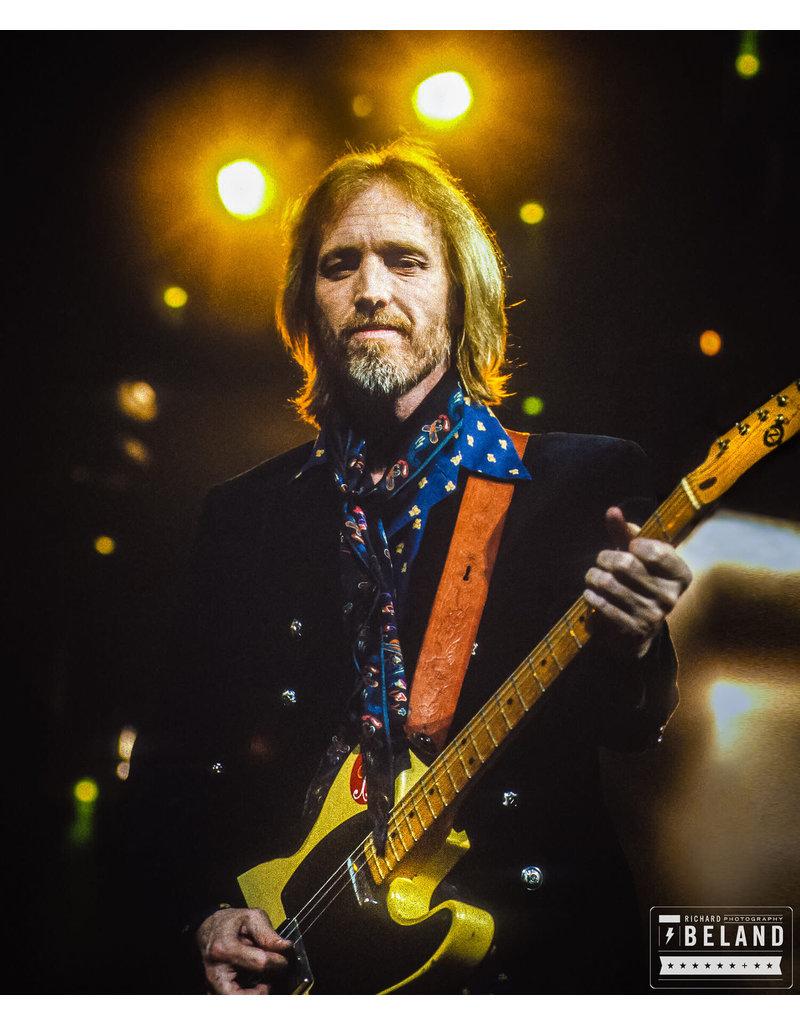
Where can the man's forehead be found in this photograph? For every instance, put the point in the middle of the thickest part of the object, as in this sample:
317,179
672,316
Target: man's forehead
380,212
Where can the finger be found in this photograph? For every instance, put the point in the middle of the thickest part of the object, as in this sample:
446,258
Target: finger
619,531
632,631
221,979
650,605
629,570
662,559
256,925
226,951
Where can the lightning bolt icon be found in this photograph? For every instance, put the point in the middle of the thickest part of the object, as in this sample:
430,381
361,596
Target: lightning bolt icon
670,933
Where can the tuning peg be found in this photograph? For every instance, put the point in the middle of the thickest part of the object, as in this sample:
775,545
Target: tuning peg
723,444
743,428
762,414
781,399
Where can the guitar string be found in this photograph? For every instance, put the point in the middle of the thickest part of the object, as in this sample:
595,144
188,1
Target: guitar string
487,714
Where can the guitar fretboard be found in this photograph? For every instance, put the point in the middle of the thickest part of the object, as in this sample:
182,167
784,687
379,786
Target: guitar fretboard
480,741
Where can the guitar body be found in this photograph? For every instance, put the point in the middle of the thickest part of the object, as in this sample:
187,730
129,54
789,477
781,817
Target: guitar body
359,936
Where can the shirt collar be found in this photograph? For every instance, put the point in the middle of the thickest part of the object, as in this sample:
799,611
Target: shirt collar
481,446
485,447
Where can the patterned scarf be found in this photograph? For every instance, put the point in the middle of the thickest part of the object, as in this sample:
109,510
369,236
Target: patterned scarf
373,585
382,528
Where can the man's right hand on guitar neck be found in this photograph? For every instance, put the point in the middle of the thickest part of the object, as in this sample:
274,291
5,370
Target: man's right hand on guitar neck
237,940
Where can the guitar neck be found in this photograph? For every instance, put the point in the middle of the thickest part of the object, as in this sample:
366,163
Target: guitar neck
481,740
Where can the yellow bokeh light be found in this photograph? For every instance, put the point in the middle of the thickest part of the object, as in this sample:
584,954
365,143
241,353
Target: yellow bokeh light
245,189
532,405
710,343
175,297
442,99
104,545
362,105
531,213
136,450
127,738
747,65
86,791
137,399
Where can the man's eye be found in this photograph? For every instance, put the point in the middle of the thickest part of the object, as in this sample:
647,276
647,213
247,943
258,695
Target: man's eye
337,268
408,262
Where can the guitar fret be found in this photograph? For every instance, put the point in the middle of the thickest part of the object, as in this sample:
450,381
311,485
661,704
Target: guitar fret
450,776
476,748
410,818
400,833
489,731
531,658
658,519
553,653
430,806
390,841
505,716
519,695
464,763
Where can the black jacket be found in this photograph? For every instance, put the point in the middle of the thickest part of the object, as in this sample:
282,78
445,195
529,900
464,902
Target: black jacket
262,674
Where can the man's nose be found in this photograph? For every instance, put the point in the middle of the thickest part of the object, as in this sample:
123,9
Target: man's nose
373,285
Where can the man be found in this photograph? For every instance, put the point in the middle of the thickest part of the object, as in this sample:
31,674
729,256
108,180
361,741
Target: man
393,305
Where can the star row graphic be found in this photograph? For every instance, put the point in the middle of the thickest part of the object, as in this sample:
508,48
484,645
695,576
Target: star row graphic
691,964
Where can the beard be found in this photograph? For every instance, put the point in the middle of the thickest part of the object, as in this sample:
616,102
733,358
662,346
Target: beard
368,371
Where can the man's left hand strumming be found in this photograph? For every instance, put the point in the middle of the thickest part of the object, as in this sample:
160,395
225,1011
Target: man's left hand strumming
633,587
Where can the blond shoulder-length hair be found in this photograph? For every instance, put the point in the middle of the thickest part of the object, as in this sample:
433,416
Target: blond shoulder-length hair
475,265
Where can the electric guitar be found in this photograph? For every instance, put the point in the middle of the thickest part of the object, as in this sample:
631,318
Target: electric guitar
337,885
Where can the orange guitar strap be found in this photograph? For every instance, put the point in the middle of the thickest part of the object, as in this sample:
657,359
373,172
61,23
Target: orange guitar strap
458,605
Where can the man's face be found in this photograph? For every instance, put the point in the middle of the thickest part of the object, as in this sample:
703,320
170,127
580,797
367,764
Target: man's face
382,290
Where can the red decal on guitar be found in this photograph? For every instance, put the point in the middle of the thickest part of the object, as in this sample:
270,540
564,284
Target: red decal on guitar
358,781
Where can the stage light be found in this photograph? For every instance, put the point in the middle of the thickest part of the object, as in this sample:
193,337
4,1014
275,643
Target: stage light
137,399
136,450
245,189
532,405
710,343
442,99
175,297
730,702
747,64
104,545
362,105
86,791
127,738
531,213
123,770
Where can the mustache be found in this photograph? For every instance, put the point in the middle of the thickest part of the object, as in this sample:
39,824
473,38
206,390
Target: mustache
373,323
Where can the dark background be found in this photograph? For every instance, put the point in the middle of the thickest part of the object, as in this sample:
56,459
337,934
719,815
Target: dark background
669,185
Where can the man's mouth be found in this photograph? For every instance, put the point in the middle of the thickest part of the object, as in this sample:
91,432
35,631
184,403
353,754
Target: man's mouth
374,332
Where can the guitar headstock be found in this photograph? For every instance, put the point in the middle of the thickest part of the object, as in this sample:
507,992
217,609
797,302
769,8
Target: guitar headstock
745,443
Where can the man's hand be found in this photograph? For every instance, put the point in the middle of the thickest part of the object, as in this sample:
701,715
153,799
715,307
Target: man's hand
634,587
237,940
